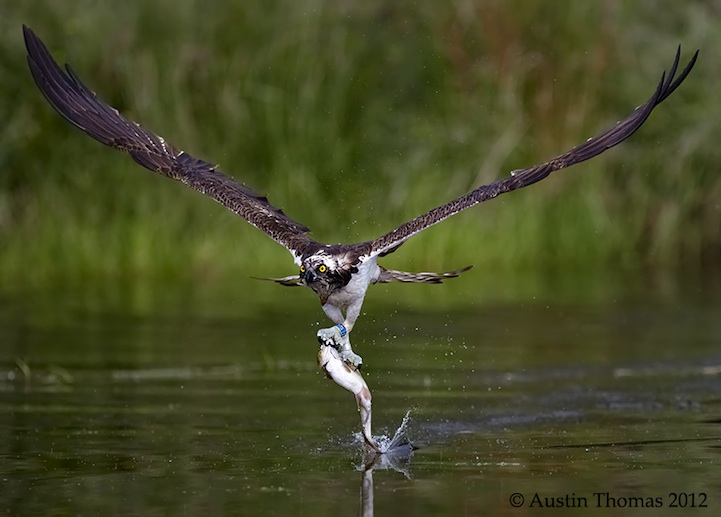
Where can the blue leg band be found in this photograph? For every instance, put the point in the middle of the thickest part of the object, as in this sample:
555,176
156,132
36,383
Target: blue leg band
343,331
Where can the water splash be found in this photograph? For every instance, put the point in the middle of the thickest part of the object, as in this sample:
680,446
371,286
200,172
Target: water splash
389,445
399,440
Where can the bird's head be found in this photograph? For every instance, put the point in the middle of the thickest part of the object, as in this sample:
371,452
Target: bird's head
323,274
315,270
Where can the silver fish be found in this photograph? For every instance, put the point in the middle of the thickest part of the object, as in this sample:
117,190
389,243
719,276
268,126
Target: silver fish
348,377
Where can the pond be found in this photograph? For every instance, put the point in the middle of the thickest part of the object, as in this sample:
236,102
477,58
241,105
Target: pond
204,406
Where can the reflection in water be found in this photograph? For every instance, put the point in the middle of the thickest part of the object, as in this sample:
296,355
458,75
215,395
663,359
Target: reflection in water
396,456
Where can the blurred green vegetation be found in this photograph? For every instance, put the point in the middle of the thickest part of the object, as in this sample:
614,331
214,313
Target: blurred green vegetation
354,117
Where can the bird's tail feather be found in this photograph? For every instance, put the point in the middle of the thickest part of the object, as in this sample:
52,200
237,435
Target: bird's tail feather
391,275
288,281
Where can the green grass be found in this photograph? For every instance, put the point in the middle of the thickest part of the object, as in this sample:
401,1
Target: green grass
355,117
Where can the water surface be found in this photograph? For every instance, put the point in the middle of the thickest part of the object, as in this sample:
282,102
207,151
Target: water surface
118,407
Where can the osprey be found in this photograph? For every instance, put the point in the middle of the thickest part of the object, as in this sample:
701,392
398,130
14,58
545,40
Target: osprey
339,274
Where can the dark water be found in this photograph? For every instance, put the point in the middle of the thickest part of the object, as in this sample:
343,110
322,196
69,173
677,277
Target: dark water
587,400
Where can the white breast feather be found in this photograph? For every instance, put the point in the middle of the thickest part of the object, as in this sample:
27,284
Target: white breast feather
368,273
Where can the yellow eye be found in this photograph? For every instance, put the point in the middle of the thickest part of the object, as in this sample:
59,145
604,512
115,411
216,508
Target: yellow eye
302,269
322,268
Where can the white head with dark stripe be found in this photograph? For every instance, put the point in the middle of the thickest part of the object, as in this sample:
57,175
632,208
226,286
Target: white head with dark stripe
325,273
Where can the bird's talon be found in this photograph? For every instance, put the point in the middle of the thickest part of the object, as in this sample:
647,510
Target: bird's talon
351,358
332,337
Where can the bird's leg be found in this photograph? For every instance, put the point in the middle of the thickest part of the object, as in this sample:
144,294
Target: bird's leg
338,336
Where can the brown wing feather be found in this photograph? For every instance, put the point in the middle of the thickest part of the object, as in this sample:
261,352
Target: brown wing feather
424,277
81,107
524,177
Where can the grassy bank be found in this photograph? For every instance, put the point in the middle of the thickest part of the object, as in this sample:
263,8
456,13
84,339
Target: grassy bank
355,117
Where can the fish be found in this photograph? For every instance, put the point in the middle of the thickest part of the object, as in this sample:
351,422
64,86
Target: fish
347,376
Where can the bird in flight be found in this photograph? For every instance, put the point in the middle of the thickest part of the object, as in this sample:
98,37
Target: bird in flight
339,274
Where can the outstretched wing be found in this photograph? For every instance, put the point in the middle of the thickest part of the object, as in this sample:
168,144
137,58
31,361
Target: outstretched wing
81,107
519,178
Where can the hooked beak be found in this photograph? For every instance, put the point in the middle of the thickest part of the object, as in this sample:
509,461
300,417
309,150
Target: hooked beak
309,277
